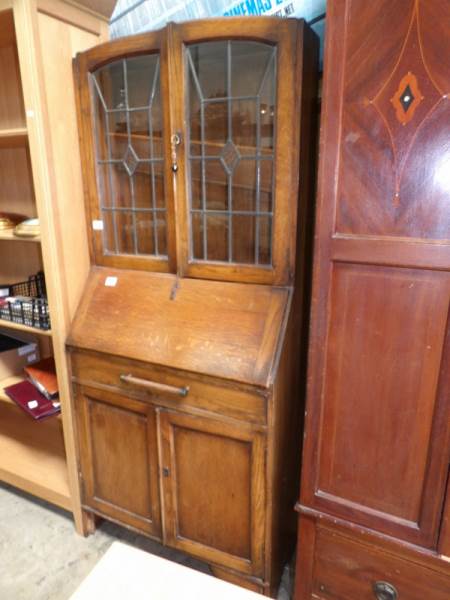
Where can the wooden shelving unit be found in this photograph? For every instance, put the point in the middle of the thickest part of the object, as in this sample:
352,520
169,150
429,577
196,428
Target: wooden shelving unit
17,136
21,327
9,236
32,455
40,176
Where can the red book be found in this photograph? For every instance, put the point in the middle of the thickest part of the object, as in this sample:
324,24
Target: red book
43,376
25,395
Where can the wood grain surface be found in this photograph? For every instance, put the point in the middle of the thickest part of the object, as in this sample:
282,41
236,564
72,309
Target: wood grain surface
377,442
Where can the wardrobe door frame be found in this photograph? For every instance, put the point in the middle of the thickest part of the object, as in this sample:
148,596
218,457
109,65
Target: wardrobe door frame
287,35
84,65
334,250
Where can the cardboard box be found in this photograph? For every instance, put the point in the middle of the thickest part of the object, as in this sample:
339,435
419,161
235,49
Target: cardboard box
16,352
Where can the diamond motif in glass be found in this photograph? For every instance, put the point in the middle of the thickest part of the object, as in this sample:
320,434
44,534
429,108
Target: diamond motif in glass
130,161
230,156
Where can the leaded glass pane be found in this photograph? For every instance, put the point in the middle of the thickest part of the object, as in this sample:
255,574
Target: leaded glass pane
231,116
129,152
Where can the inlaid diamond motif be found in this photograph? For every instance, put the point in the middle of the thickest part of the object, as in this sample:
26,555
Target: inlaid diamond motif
407,98
130,160
230,156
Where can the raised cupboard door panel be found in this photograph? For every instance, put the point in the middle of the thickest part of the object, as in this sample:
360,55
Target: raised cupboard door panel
119,459
385,349
220,523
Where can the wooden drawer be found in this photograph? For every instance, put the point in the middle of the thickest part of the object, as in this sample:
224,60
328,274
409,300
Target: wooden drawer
348,570
99,371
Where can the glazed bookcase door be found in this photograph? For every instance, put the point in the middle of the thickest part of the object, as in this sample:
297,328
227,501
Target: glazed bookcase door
223,525
123,97
234,111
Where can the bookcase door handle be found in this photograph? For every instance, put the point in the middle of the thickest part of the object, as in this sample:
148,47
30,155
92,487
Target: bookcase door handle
154,386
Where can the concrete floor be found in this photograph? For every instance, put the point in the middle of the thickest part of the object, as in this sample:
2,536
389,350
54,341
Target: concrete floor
42,558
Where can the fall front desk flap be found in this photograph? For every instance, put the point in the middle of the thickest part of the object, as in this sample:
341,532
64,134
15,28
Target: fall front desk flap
221,329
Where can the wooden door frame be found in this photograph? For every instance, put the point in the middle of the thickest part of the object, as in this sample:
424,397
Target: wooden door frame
114,400
287,36
84,65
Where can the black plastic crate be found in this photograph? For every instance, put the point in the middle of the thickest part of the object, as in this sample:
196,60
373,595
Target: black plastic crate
30,306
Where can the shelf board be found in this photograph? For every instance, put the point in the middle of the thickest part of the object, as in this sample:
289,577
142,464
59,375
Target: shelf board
7,234
13,137
20,327
32,456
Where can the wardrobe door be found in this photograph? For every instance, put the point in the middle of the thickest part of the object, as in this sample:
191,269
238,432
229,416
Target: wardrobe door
377,444
123,106
236,114
223,524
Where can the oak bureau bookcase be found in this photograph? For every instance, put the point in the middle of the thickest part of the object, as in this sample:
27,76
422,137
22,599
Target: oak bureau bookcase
186,345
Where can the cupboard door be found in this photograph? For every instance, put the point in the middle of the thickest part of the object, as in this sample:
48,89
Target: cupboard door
236,108
213,481
123,99
119,459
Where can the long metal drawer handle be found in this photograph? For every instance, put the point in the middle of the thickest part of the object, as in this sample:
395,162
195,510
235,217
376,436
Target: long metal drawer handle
154,386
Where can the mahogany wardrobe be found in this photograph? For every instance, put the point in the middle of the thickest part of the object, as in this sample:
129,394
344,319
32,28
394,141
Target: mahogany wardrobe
374,508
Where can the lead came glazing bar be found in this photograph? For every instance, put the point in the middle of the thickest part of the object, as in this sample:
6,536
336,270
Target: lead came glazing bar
230,217
128,209
219,156
193,73
244,213
257,175
110,175
230,139
152,168
130,109
274,140
258,154
226,98
130,174
119,161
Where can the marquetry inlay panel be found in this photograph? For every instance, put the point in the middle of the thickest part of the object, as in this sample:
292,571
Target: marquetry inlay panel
397,111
